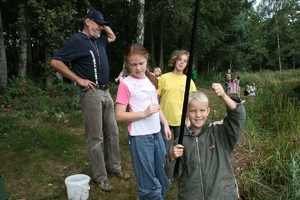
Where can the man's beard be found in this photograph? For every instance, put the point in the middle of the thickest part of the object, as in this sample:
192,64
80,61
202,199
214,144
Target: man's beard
93,34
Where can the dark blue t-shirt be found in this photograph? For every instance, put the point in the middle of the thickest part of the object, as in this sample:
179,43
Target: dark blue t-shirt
87,56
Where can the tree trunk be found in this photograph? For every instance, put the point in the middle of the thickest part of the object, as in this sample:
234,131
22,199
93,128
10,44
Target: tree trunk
294,62
215,68
260,66
153,63
23,44
207,69
29,69
279,55
140,22
3,61
48,70
161,49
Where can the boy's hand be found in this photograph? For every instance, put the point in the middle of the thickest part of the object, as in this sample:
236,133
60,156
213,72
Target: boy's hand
177,151
217,87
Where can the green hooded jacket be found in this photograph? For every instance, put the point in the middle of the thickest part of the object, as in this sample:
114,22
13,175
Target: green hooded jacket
205,170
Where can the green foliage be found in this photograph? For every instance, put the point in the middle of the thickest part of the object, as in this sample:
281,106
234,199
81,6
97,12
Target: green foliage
230,33
29,99
293,188
7,124
274,142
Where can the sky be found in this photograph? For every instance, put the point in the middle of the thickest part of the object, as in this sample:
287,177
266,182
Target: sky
256,3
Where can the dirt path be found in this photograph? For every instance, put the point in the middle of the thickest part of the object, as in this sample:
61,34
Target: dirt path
241,161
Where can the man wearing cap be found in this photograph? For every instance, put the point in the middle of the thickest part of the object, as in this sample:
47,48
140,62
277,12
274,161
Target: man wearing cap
86,52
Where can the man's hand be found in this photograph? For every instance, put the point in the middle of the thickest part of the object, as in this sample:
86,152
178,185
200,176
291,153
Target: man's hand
86,84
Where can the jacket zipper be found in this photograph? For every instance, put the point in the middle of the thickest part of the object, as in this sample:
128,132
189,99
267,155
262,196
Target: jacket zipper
199,162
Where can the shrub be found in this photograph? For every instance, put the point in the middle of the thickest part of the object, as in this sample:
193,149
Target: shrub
28,98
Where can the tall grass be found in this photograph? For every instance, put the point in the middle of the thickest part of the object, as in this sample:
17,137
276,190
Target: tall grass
273,132
274,119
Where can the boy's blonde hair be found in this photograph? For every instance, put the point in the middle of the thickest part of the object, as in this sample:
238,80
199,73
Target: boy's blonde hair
198,96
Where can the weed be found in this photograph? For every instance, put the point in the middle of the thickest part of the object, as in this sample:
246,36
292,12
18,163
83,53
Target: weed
7,124
42,140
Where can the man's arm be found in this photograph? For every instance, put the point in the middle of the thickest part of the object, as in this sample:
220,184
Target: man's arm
110,34
65,71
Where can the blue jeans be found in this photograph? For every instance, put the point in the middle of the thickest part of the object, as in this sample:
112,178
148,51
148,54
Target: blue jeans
176,131
100,127
148,154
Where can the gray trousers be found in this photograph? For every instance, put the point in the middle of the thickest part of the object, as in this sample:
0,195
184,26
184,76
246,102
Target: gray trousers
100,125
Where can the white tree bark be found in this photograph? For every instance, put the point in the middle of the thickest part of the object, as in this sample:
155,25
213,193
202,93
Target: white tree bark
23,45
279,55
140,22
3,61
161,49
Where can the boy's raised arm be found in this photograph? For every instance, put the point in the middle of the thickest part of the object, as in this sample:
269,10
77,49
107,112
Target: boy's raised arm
221,94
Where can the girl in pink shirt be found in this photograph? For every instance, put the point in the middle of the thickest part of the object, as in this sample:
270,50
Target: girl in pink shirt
137,104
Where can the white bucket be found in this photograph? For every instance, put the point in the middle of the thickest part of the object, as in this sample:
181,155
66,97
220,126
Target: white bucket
78,186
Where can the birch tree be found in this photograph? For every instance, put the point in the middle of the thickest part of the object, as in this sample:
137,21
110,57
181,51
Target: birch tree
3,61
23,43
140,21
274,6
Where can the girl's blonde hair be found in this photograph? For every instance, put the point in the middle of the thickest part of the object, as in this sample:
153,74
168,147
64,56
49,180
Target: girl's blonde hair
137,48
158,69
175,56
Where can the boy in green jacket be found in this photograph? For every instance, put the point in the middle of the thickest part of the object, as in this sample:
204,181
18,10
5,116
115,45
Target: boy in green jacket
205,170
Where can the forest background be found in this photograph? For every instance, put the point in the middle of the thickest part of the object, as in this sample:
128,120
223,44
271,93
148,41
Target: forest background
41,130
231,34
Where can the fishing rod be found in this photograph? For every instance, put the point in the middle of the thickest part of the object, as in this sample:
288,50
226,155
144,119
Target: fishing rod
188,80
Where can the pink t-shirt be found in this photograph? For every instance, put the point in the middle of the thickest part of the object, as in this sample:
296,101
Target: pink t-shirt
138,94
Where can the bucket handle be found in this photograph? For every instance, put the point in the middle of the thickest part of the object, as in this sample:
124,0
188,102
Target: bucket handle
87,188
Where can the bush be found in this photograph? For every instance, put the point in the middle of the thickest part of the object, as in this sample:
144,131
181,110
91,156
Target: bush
28,98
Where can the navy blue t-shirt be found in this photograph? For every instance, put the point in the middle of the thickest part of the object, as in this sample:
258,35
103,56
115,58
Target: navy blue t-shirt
87,56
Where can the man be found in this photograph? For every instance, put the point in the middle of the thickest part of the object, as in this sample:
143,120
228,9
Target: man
85,51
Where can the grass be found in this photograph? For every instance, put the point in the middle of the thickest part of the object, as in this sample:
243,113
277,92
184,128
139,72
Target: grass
274,133
37,155
40,148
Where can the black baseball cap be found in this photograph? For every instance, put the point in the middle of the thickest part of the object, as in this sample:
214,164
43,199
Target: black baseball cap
96,16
